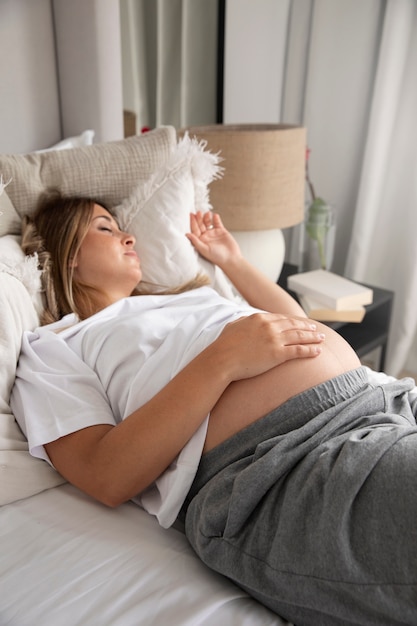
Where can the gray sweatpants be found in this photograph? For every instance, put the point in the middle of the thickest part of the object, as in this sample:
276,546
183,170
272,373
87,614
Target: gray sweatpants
313,508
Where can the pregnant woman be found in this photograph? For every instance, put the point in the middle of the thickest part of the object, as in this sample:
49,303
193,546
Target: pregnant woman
252,425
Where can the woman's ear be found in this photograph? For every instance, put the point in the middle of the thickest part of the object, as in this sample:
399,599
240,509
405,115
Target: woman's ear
72,263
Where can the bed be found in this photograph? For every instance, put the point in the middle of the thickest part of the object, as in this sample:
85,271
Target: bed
65,558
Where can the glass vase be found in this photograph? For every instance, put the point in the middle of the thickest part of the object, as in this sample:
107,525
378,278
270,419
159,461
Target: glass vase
317,239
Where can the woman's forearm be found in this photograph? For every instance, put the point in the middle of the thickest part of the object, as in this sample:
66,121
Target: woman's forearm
258,289
115,463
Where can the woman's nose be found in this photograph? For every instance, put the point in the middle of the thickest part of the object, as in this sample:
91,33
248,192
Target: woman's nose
129,239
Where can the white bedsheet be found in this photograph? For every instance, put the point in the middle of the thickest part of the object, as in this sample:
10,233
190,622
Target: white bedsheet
69,561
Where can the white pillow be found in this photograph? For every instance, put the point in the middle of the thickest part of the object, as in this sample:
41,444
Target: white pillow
157,213
21,475
25,268
84,139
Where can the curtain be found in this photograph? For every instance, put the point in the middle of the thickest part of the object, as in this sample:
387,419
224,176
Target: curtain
351,80
169,58
382,248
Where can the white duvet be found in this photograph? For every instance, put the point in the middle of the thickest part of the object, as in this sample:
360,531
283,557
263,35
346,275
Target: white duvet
69,561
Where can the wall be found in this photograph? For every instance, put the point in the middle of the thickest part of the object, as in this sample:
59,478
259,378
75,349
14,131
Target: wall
255,43
60,67
29,102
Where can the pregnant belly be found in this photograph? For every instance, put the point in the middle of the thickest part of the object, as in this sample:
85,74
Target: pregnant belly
246,401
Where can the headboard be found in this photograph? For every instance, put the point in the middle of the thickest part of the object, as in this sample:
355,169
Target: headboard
60,68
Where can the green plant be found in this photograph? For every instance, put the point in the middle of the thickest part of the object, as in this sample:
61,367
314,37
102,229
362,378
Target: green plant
318,219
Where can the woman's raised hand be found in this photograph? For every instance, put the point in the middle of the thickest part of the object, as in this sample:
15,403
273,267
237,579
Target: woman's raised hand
257,343
211,239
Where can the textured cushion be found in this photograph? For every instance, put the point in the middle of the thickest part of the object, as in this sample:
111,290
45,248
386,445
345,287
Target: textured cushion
109,171
10,221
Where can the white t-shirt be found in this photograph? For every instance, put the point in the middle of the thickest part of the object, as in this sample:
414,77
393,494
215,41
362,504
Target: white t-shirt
74,374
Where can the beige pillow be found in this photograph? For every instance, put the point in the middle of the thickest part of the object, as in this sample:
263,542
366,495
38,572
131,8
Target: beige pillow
10,222
108,171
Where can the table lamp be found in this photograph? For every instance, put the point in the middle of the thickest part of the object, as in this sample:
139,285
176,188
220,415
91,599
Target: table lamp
262,189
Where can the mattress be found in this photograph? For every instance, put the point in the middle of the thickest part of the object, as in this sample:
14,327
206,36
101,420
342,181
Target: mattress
67,560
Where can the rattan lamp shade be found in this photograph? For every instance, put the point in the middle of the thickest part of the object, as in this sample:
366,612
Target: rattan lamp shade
263,183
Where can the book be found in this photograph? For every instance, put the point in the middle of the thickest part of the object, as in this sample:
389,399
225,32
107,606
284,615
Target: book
332,290
317,311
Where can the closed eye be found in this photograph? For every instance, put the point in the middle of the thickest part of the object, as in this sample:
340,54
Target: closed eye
105,223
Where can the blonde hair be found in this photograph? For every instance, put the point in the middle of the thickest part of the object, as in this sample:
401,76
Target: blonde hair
55,232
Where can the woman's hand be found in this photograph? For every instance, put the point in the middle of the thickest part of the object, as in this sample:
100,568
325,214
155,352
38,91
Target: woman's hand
214,242
211,239
255,344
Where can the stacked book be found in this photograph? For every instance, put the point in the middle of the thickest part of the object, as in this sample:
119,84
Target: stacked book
328,297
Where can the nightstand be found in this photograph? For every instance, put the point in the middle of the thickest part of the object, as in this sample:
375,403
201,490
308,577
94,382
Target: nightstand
367,335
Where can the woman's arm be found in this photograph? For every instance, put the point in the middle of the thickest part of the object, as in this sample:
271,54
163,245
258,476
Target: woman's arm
115,463
211,239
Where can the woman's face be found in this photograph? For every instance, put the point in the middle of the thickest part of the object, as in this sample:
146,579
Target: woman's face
107,259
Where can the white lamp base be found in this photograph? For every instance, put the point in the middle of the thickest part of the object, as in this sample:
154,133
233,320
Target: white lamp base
265,249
